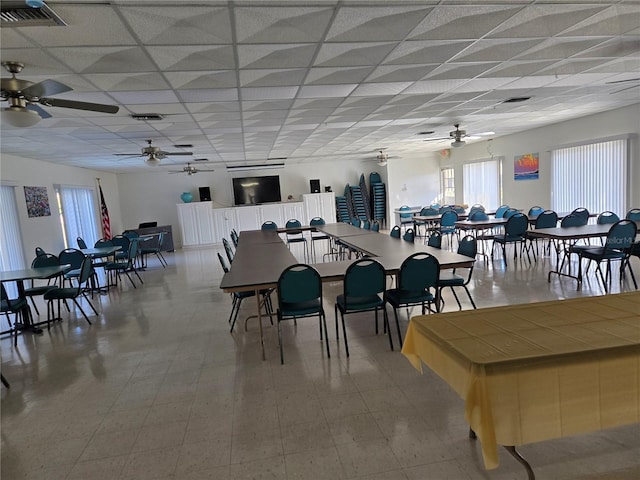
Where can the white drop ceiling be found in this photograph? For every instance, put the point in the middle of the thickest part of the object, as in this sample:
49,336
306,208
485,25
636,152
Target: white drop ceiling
246,81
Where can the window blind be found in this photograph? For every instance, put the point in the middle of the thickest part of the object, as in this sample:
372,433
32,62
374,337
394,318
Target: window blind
481,183
79,215
11,251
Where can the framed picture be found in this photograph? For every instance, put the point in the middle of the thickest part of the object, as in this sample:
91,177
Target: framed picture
37,201
525,167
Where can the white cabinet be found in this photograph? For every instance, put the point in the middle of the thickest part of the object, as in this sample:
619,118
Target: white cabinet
249,217
224,220
196,223
319,205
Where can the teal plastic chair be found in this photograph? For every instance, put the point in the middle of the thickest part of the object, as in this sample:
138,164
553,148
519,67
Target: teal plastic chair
153,246
409,235
269,225
81,243
317,236
500,211
125,266
73,257
299,296
123,242
617,246
296,236
375,226
395,232
435,240
405,218
363,291
228,250
425,212
40,251
607,217
546,219
535,211
515,232
582,213
510,212
17,307
633,215
448,224
46,260
71,293
417,277
467,247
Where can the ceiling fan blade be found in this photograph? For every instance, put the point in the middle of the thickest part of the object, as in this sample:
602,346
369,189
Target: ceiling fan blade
175,153
625,89
39,110
624,81
45,88
437,139
93,107
129,155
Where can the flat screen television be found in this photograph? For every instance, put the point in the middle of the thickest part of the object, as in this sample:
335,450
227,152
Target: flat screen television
256,190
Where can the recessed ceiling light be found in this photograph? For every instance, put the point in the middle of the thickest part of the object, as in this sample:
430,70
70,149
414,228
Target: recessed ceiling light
516,99
143,117
426,132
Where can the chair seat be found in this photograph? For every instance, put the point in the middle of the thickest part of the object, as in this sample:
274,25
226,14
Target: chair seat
397,297
17,304
320,237
359,303
72,273
61,293
116,266
300,309
448,279
508,238
35,291
146,251
597,253
296,240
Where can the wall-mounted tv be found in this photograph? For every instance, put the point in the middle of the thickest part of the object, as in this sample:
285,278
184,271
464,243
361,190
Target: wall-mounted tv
256,190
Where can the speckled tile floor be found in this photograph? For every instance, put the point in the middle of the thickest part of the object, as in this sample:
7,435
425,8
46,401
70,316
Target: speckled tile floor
157,388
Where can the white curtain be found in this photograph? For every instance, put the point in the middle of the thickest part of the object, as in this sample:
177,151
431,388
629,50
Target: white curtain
593,176
79,215
11,252
481,182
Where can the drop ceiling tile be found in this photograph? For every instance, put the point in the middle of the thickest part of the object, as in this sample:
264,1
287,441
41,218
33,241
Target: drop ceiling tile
266,105
202,80
374,24
213,107
132,81
352,54
496,50
275,55
614,20
404,99
433,86
171,25
316,102
208,95
415,52
312,91
104,59
518,68
556,48
333,76
193,57
460,70
275,24
380,89
395,73
268,93
271,77
615,48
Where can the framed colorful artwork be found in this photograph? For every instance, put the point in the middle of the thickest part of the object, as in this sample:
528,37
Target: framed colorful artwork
525,167
37,201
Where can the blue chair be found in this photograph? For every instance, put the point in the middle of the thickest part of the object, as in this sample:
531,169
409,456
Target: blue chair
617,246
633,215
315,235
234,237
81,243
16,306
395,232
73,257
366,225
570,246
296,236
515,232
500,211
228,250
406,218
355,222
607,218
375,226
40,251
581,213
123,242
299,296
435,240
363,291
425,212
125,266
535,211
510,212
269,225
448,224
153,246
409,235
546,219
71,293
46,260
467,247
417,276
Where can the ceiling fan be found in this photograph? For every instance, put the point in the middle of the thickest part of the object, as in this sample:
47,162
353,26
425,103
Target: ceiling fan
382,158
190,170
628,80
25,98
153,154
457,136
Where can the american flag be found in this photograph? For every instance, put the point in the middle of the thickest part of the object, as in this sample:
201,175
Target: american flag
106,223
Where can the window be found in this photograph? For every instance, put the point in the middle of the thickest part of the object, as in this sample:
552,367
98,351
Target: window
447,186
78,215
593,176
11,252
481,182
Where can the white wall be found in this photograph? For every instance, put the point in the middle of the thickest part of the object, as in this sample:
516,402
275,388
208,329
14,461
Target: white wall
526,193
46,232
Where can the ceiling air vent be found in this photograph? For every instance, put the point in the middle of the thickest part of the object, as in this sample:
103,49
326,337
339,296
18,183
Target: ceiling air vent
143,117
18,14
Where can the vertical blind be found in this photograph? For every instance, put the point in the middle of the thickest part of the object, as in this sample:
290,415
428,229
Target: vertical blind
481,181
593,176
11,252
79,214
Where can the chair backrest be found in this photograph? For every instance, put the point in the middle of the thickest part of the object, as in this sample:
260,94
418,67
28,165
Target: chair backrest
547,219
435,240
500,211
395,231
269,225
366,225
122,242
428,211
355,222
633,215
607,217
458,209
40,251
364,278
103,242
234,238
130,234
71,256
409,235
227,249
435,206
510,212
468,246
581,213
419,272
375,226
134,246
81,242
621,235
405,216
537,210
478,215
86,270
46,260
299,283
445,208
475,209
516,225
225,269
316,221
449,218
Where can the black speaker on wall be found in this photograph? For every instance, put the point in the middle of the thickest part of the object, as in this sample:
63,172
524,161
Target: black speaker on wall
205,194
315,185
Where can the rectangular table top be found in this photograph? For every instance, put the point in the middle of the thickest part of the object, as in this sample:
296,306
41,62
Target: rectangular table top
571,233
480,224
33,273
93,251
259,236
343,230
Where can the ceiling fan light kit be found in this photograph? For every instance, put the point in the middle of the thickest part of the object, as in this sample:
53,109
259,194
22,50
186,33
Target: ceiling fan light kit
152,161
19,117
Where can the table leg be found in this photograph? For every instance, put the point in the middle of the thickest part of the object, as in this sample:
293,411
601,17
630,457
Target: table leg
512,450
264,357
